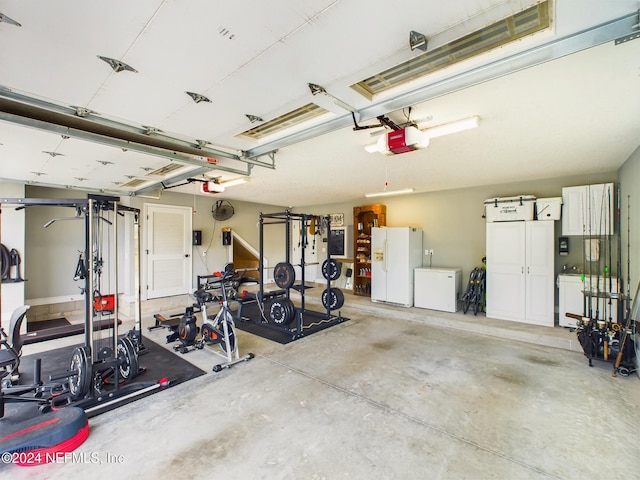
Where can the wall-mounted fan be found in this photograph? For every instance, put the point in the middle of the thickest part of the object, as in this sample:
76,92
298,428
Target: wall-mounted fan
222,210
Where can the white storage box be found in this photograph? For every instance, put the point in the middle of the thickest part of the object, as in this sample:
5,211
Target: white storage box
549,208
509,209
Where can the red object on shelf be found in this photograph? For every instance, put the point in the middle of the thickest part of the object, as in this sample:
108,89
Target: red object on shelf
104,303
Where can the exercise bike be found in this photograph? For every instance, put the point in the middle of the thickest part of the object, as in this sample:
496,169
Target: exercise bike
219,330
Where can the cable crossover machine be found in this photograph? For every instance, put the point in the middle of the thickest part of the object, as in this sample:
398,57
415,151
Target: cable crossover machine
99,373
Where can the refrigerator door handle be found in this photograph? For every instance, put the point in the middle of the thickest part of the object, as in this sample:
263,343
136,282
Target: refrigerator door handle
384,252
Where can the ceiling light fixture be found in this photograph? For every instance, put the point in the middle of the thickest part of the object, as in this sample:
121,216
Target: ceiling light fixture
117,65
197,97
234,182
417,40
389,192
452,127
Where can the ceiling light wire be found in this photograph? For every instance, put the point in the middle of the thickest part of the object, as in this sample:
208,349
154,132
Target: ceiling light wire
386,174
195,188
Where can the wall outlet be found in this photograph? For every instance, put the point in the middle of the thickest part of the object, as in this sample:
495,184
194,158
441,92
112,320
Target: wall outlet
430,252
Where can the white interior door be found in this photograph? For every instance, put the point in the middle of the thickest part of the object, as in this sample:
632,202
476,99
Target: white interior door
168,250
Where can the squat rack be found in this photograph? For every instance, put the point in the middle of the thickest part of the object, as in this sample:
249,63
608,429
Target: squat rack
287,218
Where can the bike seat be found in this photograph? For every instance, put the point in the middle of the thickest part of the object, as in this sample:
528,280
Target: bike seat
202,296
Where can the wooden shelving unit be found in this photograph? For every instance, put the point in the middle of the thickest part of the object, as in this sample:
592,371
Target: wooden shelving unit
364,219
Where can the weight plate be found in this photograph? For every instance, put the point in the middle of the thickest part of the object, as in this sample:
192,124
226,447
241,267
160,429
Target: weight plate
277,311
80,381
290,311
128,359
284,275
339,298
331,269
332,298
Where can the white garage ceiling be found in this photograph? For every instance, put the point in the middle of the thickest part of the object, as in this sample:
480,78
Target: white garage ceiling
562,101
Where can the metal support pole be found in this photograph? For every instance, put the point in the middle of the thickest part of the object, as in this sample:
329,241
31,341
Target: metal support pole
90,280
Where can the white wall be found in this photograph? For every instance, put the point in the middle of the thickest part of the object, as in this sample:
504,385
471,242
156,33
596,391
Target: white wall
53,252
629,178
452,222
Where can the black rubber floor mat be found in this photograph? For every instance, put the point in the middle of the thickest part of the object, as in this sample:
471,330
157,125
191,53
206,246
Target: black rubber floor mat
312,322
158,362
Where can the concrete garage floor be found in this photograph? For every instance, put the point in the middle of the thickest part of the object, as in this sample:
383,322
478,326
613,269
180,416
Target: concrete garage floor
391,393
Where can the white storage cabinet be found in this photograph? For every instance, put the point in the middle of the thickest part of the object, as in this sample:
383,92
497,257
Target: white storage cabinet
588,210
520,274
572,299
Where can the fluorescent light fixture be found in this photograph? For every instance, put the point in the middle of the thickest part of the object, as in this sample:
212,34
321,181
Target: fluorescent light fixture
453,127
234,182
389,192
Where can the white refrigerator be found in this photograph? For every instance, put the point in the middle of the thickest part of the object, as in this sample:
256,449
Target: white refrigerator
395,253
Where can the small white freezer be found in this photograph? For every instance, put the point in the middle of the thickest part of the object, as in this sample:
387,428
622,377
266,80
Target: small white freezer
437,288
